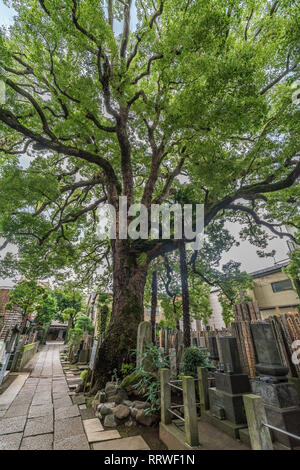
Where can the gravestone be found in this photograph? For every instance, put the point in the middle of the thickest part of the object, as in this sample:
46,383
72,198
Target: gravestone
173,365
144,339
226,398
281,401
213,348
180,354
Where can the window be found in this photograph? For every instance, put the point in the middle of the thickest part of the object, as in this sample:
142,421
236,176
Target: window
281,285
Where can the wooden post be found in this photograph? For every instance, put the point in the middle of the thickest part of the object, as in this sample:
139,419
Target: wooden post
203,388
190,411
255,412
165,396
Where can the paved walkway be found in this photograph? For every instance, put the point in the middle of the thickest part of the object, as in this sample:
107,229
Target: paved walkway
39,412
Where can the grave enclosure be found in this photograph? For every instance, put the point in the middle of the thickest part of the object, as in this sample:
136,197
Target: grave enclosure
255,380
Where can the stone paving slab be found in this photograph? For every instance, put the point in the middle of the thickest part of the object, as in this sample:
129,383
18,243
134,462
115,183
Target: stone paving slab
40,410
62,402
40,442
78,442
127,443
11,441
78,400
12,425
58,395
12,391
68,427
93,428
42,399
42,425
87,414
82,407
107,436
32,381
68,412
17,410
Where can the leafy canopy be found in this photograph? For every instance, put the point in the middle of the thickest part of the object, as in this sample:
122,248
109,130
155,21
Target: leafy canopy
199,89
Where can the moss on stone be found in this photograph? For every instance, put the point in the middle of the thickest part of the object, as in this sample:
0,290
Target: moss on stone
131,379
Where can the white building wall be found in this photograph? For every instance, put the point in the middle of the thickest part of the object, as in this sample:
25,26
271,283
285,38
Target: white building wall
216,320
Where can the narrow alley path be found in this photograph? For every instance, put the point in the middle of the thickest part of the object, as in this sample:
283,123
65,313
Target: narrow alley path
42,415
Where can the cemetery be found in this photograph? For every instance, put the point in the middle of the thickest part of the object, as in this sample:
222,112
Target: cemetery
149,227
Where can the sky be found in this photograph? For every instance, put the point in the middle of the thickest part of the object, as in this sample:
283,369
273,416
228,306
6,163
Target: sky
245,253
6,15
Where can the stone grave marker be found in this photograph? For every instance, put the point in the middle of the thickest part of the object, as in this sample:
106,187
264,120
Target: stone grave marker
144,339
280,398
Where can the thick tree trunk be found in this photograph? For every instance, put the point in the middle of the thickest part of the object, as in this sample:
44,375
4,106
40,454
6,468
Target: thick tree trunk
153,304
185,297
129,279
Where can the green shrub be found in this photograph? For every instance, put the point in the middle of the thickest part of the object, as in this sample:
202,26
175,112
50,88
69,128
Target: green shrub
75,336
193,357
84,374
84,323
126,369
152,360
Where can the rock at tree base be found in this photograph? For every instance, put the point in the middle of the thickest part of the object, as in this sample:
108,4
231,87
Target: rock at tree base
111,391
121,395
143,418
130,423
133,412
110,421
110,388
129,382
140,405
121,412
128,403
107,408
100,397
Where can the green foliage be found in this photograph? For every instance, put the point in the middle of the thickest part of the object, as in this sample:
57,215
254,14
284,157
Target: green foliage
75,336
69,314
84,323
30,297
84,374
200,89
25,296
46,309
152,360
68,298
293,269
193,357
127,369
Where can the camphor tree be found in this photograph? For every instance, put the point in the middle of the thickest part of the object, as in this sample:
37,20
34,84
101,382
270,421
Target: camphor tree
194,88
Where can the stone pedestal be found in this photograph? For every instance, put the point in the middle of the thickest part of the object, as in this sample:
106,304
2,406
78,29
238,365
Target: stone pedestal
226,398
280,398
296,382
282,406
232,383
231,405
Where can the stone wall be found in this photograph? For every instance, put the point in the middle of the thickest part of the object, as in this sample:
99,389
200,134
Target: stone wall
27,352
10,320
